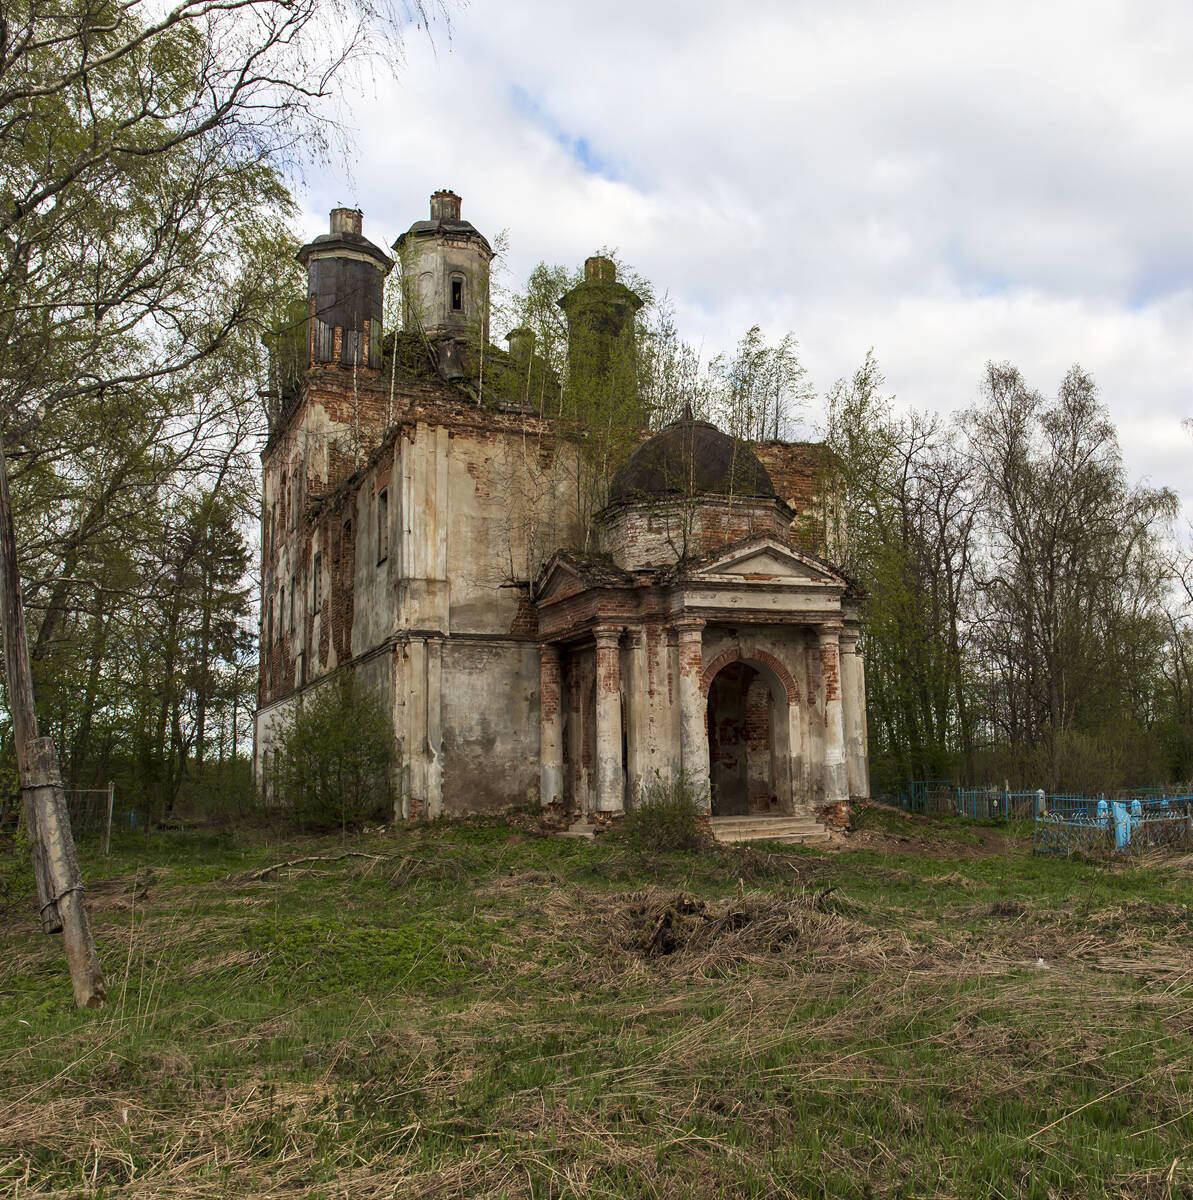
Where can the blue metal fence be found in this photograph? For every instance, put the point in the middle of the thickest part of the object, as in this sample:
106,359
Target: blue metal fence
1128,825
1143,819
993,804
930,797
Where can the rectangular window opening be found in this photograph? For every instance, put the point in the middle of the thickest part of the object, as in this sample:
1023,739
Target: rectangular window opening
457,295
382,525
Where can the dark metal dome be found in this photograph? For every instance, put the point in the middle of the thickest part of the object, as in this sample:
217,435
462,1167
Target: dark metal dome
687,458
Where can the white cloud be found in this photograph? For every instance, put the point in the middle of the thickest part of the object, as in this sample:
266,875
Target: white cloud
943,182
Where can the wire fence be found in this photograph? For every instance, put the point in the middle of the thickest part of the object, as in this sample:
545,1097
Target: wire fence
92,813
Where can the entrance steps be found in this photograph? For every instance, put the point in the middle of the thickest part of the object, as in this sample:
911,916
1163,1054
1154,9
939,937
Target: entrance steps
759,828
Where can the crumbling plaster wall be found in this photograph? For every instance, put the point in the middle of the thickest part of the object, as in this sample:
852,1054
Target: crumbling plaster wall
473,501
490,724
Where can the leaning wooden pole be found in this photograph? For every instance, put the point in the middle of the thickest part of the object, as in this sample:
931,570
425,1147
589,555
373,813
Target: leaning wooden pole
59,883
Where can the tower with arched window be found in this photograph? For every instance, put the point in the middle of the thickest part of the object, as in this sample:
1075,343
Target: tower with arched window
445,282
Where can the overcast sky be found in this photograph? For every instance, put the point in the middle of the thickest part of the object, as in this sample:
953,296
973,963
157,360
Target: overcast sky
946,182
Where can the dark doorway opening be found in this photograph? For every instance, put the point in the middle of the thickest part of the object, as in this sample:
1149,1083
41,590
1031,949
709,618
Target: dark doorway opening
743,721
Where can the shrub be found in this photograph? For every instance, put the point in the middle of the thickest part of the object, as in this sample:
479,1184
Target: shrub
665,817
335,758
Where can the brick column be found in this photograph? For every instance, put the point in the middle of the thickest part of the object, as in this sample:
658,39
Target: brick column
835,784
550,726
693,724
610,797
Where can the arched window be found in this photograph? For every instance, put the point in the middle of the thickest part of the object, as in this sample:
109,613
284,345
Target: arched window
382,525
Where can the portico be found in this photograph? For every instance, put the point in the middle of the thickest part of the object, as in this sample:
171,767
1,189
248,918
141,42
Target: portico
728,669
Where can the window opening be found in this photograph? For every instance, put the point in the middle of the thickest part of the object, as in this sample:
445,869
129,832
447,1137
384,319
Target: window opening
382,525
317,583
457,295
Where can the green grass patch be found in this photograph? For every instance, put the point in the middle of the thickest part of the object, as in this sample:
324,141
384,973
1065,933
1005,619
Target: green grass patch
466,1009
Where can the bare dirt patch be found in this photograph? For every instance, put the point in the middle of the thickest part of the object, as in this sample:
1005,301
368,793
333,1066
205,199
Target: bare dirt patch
899,832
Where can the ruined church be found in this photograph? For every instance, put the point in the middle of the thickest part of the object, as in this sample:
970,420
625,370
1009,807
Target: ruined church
422,527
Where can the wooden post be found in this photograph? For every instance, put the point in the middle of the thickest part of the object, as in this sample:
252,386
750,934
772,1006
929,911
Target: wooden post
49,801
20,697
59,884
108,827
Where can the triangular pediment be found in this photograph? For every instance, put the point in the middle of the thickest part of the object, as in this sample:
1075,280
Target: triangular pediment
766,560
569,573
558,581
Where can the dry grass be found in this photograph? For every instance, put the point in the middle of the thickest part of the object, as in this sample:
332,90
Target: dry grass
541,1024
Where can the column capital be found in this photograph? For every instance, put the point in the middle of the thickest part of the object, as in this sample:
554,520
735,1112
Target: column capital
849,639
607,635
549,651
635,634
829,633
686,627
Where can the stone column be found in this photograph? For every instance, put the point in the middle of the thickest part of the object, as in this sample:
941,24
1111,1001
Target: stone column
610,796
434,744
418,722
693,723
855,747
550,725
836,786
637,702
859,677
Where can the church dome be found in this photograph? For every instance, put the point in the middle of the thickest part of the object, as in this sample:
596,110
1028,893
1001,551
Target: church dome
690,457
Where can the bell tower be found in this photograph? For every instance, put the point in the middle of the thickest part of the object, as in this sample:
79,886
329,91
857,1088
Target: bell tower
345,285
445,273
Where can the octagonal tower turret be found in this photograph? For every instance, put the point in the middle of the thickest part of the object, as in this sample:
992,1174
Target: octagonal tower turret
445,269
345,285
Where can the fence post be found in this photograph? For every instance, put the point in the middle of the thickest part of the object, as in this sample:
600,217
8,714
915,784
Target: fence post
108,827
1040,802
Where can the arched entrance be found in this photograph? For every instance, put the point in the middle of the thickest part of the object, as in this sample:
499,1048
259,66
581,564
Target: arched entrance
748,752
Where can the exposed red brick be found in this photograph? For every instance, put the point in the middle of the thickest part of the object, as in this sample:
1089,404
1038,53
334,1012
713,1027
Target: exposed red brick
830,666
835,816
526,620
734,654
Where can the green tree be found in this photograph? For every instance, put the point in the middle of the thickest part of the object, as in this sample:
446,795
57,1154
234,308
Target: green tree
901,522
143,252
335,758
759,390
1072,577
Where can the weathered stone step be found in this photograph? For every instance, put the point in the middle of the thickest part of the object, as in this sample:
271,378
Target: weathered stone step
774,829
765,822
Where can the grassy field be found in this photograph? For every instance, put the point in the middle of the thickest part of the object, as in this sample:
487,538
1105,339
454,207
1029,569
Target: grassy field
473,1010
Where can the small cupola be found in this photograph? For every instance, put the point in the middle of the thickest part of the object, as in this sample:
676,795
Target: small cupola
445,273
600,315
345,287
